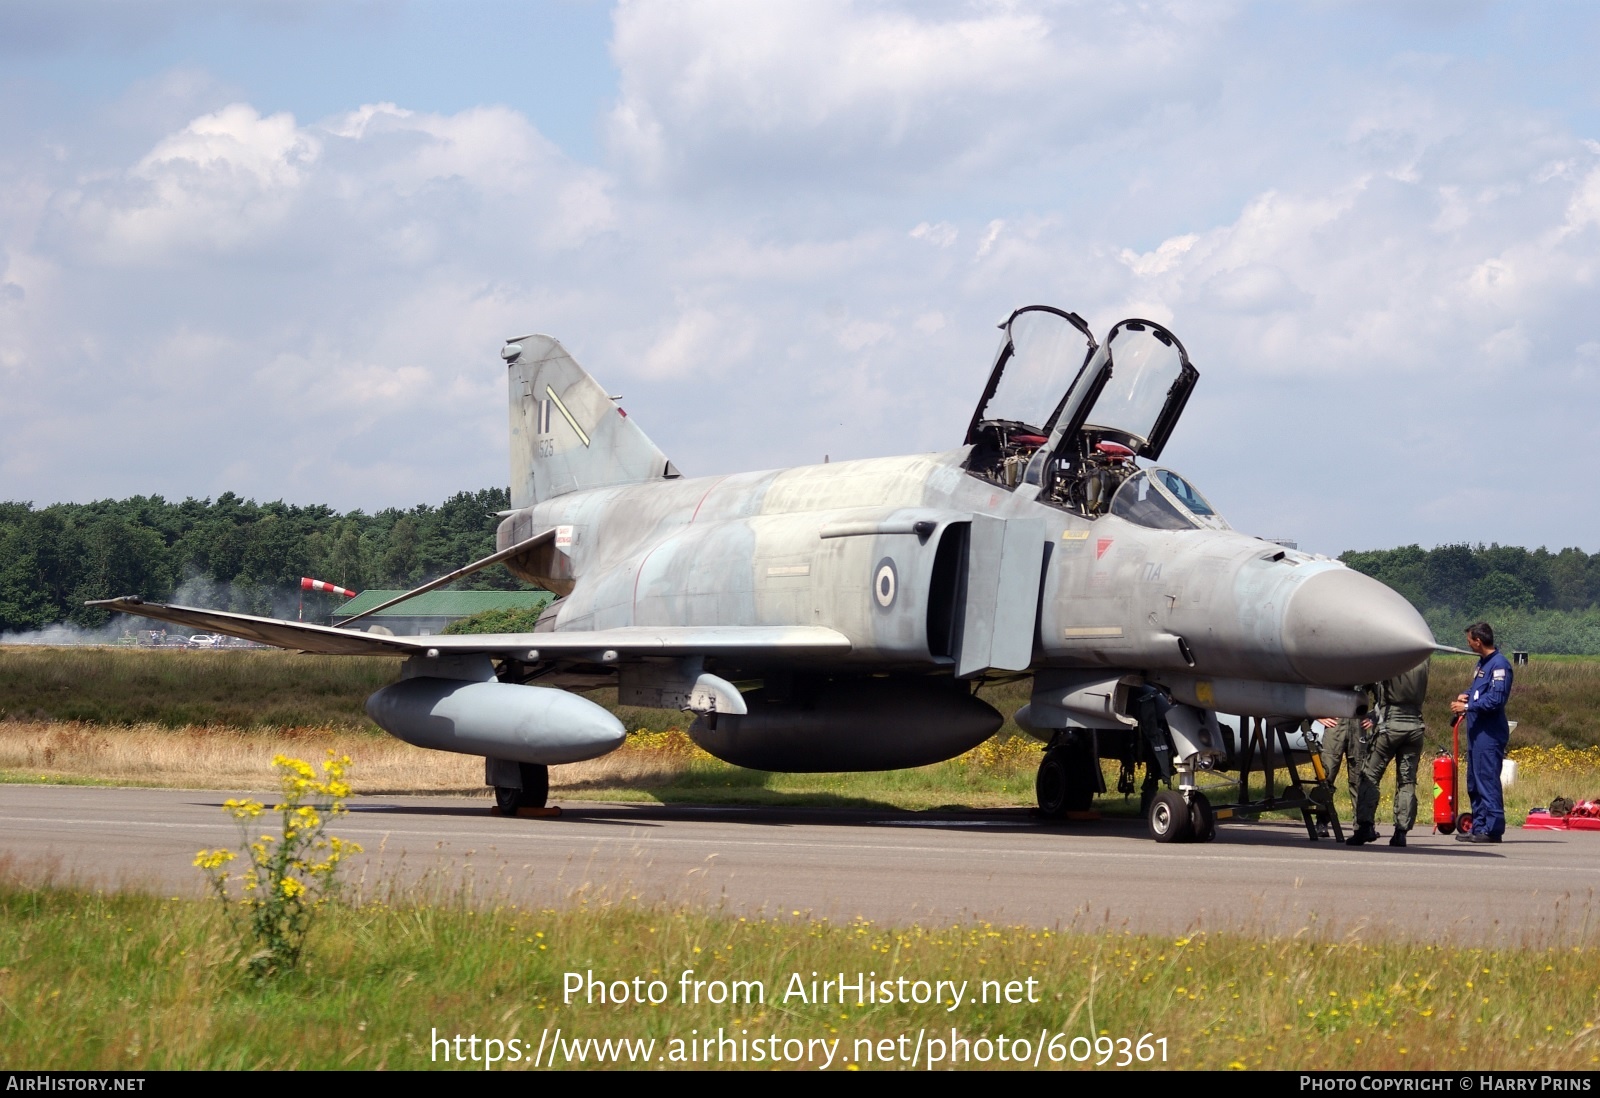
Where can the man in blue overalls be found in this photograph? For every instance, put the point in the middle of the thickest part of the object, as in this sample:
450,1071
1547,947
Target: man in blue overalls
1484,703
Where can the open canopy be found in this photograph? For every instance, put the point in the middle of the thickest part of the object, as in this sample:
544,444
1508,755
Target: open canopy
1041,358
1069,416
1052,381
1147,379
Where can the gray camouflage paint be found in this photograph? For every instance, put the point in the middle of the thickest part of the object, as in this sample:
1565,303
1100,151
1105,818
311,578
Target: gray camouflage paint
750,550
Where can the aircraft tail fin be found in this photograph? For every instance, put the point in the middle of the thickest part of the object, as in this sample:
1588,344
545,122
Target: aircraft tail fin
567,434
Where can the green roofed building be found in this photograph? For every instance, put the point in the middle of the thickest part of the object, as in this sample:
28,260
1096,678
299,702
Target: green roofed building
429,613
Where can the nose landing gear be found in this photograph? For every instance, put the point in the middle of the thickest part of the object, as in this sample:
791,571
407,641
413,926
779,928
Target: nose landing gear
1179,816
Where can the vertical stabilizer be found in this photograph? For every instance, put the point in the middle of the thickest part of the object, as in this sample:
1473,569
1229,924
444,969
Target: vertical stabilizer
567,434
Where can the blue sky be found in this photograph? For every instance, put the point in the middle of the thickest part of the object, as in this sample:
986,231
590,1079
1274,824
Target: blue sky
272,248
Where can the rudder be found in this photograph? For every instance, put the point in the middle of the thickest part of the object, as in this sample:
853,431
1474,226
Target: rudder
567,434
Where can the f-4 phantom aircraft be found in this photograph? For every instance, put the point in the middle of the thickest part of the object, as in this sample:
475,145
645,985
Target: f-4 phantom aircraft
842,616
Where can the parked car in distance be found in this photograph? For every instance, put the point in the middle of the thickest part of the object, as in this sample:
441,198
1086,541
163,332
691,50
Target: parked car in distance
205,640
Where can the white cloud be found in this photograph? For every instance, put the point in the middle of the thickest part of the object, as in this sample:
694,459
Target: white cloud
991,233
941,235
225,179
1162,259
872,89
1584,209
699,344
860,334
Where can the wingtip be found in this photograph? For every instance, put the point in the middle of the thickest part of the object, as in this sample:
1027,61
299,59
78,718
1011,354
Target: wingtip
120,600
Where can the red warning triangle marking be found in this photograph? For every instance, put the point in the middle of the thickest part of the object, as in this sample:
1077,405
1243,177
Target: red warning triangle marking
1101,546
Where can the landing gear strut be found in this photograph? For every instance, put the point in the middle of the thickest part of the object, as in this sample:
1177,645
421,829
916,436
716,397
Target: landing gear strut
533,793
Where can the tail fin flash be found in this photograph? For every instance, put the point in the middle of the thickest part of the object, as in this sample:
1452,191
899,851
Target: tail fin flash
567,434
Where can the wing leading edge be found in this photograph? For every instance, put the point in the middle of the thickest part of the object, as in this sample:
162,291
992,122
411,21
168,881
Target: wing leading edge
597,644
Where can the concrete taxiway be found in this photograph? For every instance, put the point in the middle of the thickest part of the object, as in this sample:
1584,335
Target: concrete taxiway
1004,866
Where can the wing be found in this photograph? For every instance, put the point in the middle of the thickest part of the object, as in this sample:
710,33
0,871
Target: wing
601,645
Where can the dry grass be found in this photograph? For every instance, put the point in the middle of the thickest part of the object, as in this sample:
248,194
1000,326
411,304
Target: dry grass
661,766
232,758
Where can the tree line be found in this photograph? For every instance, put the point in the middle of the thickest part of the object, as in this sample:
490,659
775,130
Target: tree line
1537,600
229,553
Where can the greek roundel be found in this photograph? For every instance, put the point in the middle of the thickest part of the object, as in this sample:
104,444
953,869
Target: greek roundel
885,583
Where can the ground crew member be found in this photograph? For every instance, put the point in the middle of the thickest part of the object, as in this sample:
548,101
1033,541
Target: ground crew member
1484,704
1398,736
1343,738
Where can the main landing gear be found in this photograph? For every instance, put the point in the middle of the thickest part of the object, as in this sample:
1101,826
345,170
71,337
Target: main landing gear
532,793
1066,780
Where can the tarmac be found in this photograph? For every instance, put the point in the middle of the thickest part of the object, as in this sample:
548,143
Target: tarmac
892,867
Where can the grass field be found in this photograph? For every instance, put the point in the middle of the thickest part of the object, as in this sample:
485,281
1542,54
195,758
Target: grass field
240,688
131,981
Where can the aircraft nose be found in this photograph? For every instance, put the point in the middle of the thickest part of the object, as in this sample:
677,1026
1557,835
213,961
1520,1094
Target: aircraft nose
1342,628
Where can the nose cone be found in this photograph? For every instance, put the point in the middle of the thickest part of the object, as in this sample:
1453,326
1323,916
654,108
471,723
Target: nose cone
1342,628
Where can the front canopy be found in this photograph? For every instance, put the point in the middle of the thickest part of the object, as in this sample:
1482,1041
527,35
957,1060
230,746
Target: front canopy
1042,356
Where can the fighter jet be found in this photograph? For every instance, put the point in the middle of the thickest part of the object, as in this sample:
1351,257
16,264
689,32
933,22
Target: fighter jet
844,616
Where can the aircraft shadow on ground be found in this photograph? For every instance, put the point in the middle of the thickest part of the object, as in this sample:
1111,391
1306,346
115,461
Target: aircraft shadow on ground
778,809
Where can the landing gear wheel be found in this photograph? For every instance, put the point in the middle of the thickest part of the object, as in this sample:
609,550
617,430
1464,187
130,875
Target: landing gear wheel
1064,783
1050,786
1169,817
534,793
535,784
1464,823
1202,820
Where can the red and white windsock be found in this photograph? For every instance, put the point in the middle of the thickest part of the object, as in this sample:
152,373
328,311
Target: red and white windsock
309,584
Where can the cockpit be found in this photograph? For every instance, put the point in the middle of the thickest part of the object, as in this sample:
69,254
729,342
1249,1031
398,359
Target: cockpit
1069,419
1163,500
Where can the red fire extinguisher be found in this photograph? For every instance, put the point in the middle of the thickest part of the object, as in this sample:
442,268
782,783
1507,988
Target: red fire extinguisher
1446,814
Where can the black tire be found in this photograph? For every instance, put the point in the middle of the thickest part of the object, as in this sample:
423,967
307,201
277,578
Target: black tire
535,785
1169,818
1464,823
1064,783
1446,828
534,793
1202,820
1050,786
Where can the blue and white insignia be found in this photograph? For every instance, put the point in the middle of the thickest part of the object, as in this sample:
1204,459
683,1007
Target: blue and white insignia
1499,672
885,583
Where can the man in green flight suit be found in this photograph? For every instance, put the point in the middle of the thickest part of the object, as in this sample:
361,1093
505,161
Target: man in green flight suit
1343,738
1399,736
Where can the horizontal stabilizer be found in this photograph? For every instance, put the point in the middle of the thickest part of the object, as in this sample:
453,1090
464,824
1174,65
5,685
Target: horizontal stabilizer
597,645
